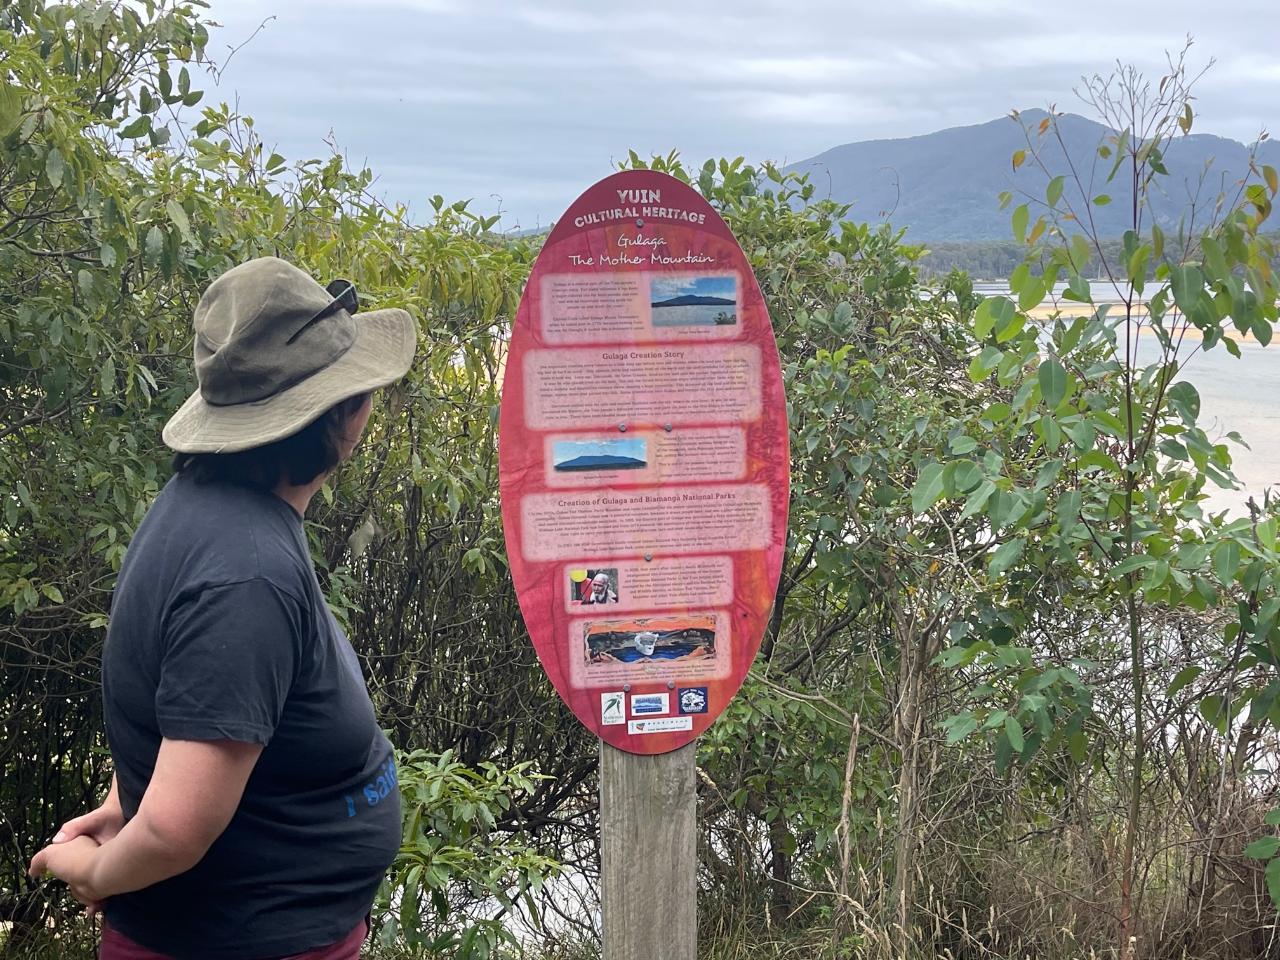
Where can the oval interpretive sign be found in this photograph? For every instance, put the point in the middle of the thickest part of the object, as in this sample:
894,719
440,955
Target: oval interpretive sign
644,461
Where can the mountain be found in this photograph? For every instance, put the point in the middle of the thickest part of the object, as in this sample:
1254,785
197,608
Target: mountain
693,300
601,462
945,185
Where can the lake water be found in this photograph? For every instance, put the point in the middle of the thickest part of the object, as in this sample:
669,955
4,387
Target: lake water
693,315
1235,394
1102,291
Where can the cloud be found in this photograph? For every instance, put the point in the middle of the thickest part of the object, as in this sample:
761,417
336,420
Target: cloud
532,101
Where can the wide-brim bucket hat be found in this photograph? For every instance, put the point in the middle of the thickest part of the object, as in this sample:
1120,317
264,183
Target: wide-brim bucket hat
274,350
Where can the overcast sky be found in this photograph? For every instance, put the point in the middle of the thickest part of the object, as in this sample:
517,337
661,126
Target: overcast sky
522,105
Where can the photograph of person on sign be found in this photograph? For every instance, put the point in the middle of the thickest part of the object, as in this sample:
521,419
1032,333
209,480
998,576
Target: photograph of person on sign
594,586
650,639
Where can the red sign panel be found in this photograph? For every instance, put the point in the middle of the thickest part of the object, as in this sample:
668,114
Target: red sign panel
644,462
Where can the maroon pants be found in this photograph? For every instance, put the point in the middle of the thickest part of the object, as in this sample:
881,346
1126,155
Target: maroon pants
116,946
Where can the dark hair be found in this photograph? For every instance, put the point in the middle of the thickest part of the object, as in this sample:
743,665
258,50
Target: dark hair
298,458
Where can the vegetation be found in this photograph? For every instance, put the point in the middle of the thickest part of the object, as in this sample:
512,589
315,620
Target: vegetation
1019,693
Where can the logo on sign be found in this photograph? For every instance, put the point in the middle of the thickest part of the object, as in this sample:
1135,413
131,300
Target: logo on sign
660,725
611,712
693,699
649,704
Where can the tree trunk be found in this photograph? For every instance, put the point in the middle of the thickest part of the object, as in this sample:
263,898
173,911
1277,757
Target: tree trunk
911,670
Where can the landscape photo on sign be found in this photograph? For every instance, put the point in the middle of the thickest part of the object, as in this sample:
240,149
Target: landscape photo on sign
679,301
624,453
648,639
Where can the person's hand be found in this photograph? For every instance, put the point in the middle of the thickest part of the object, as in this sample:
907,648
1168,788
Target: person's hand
100,825
71,861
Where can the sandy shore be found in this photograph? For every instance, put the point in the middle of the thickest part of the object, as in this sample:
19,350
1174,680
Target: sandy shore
1069,309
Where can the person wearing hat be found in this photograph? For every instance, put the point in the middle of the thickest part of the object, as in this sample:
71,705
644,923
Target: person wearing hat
254,809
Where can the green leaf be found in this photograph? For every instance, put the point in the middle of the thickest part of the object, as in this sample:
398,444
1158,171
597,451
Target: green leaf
55,167
1069,510
1006,555
928,488
1004,753
10,106
1013,730
1032,293
980,367
1214,258
1101,200
1212,709
179,217
1187,282
1051,433
1183,677
107,378
1053,381
978,499
139,128
1053,193
154,244
1137,266
1267,533
962,476
1273,881
1185,401
992,313
960,727
1264,848
1081,253
1082,434
1226,562
996,719
1272,818
1021,216
1008,331
1130,564
1078,289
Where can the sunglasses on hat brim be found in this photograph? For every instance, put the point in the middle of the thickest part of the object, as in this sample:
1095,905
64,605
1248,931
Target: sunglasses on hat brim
344,298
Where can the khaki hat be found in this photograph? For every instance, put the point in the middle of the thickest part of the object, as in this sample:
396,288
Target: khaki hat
274,350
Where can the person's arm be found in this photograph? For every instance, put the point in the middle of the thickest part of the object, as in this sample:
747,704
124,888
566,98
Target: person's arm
230,658
100,824
191,798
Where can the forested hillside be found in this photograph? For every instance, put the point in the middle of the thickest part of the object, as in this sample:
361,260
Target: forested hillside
943,186
1019,692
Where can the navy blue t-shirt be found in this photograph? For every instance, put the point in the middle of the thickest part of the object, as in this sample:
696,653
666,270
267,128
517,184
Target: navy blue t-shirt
219,631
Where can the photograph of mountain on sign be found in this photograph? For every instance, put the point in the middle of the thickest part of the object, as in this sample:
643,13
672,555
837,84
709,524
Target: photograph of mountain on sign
694,301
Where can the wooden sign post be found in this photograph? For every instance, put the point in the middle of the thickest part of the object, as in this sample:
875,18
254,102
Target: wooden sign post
648,854
644,475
